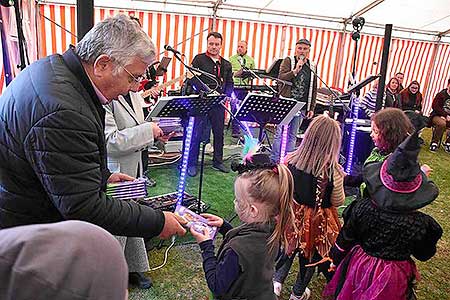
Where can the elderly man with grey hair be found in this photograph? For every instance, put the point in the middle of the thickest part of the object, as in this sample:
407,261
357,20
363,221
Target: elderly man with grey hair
52,143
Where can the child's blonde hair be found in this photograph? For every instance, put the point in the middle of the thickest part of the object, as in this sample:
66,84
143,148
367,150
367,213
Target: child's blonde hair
319,151
274,188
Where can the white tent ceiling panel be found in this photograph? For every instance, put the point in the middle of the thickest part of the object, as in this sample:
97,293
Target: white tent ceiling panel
278,19
324,8
414,19
430,15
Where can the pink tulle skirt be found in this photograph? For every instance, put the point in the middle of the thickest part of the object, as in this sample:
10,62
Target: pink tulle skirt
364,277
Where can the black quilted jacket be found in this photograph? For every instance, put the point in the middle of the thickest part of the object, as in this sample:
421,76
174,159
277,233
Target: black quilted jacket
53,154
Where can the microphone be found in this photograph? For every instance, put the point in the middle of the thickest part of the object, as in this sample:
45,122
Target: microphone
168,48
241,61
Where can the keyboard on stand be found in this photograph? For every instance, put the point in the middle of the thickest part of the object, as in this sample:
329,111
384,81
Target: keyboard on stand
167,202
249,88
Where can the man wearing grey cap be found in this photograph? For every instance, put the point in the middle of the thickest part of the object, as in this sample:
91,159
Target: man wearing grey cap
300,71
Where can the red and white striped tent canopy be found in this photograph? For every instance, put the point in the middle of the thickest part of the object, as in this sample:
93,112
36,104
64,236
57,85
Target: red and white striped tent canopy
420,46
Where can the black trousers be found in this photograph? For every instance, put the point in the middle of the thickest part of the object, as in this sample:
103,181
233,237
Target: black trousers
202,128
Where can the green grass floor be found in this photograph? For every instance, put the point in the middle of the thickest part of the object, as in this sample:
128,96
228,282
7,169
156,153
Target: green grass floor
183,278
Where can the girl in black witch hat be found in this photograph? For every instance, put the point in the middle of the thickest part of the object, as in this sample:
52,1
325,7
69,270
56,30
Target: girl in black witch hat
384,230
390,127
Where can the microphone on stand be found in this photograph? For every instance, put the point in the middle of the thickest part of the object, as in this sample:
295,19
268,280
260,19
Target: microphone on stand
241,61
175,51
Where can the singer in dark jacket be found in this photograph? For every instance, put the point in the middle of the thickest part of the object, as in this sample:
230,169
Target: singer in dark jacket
301,72
221,81
52,142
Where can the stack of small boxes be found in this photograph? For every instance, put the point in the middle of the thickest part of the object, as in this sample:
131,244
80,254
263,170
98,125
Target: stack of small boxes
127,190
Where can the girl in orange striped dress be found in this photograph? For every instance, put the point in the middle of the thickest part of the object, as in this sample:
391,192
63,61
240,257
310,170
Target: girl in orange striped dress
318,191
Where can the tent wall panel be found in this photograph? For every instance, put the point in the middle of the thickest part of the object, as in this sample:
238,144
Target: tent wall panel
439,75
28,14
265,42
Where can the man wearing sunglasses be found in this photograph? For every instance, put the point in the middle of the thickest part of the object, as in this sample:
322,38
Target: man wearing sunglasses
52,144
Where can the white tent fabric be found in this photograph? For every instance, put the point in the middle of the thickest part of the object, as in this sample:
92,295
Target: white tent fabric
412,19
333,50
423,55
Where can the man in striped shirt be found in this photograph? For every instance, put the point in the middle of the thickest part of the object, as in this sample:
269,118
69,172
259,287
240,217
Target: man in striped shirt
369,102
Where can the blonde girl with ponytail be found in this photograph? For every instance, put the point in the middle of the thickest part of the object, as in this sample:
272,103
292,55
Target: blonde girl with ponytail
244,265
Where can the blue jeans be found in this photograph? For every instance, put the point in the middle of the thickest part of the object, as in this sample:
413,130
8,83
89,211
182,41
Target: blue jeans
294,125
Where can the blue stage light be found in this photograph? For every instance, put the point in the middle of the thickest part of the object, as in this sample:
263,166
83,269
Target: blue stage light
284,137
184,163
348,167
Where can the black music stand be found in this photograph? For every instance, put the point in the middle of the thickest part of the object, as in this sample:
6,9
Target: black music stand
359,85
267,109
186,107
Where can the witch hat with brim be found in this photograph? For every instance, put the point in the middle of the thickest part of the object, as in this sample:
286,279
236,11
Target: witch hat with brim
397,183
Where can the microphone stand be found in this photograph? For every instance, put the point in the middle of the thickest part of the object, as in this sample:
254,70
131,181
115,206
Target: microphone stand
194,72
209,91
345,108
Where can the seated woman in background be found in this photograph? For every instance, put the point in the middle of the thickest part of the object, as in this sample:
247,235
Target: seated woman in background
411,103
410,98
392,90
368,103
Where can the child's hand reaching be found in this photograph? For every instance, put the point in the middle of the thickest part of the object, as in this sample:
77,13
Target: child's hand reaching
200,236
213,220
426,169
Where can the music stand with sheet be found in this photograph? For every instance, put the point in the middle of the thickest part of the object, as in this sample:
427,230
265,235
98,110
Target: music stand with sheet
186,107
266,109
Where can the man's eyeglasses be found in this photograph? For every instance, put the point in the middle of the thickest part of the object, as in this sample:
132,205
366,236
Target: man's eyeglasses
133,78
